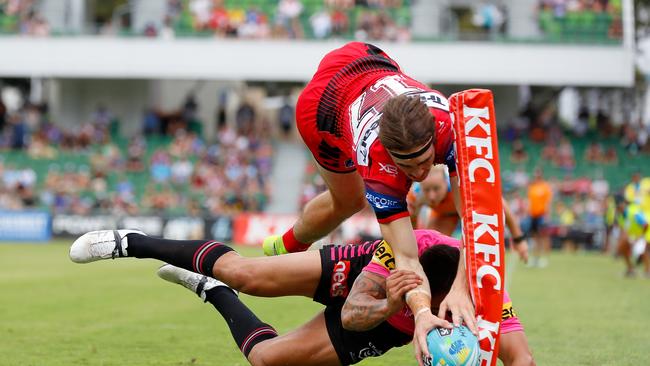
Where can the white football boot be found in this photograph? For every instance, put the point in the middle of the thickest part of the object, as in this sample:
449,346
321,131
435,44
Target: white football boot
103,244
192,281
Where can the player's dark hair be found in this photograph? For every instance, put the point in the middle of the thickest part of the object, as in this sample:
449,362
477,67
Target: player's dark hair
405,123
440,263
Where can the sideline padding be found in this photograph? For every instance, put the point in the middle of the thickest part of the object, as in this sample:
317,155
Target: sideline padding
477,164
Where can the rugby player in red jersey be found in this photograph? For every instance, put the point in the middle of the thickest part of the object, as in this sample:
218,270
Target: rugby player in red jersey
373,131
365,314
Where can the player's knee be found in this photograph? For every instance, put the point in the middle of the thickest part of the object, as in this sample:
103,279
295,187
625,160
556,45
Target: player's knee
350,205
263,356
241,277
519,359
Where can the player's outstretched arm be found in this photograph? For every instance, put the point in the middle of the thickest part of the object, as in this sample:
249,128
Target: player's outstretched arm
458,300
373,298
519,242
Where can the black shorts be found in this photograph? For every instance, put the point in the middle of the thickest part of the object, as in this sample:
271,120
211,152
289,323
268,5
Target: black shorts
340,267
537,225
352,347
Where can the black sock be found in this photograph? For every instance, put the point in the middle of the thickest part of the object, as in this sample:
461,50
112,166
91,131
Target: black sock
194,255
245,327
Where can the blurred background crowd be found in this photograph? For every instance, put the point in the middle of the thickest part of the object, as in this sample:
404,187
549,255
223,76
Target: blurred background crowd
588,143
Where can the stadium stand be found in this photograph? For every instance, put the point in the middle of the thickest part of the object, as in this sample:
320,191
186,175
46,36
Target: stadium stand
94,171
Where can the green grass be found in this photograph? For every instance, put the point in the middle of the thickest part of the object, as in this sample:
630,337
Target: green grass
578,311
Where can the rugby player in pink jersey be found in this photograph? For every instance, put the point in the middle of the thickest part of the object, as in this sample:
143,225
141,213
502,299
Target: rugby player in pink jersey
373,131
365,314
433,198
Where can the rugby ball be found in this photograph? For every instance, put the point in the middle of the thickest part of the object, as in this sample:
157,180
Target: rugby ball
452,347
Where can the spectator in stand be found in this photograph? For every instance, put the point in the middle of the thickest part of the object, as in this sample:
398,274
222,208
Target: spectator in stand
245,118
286,116
160,166
200,10
540,197
135,154
594,153
150,30
518,154
181,171
19,132
321,24
565,157
3,115
287,18
340,22
167,31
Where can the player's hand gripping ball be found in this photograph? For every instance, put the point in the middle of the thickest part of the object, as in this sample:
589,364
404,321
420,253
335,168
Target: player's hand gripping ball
452,347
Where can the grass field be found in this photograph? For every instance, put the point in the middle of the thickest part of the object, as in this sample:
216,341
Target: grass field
578,311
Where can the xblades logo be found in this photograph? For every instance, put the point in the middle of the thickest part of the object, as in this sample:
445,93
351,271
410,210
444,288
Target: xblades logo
388,169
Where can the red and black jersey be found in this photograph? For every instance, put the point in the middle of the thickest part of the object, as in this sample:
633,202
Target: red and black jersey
338,117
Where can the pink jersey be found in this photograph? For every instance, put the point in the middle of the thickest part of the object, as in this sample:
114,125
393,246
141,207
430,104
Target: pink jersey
386,185
383,261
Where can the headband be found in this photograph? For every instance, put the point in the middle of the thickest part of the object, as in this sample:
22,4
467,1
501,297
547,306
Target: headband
414,154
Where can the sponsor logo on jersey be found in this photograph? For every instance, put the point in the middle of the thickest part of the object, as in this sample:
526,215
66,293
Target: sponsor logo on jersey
340,274
384,256
508,312
433,99
382,202
389,169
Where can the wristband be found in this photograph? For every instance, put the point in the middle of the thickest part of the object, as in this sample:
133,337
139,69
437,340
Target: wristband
419,312
519,239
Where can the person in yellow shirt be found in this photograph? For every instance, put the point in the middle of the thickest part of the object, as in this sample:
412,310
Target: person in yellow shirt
638,191
632,245
540,196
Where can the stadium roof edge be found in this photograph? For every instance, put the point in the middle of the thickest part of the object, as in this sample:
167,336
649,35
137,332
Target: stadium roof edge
218,59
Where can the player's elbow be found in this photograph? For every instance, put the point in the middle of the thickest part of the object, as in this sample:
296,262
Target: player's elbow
347,319
352,321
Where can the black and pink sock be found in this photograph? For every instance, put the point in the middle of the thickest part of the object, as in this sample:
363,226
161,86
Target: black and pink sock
194,255
246,328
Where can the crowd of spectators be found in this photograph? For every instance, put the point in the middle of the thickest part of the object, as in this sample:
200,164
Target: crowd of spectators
22,17
581,19
293,19
89,169
577,213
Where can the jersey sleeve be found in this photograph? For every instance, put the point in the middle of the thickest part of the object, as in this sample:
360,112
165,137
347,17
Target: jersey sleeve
445,153
383,260
388,204
386,186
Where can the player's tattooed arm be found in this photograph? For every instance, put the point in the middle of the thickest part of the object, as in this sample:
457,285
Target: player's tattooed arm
374,298
366,305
